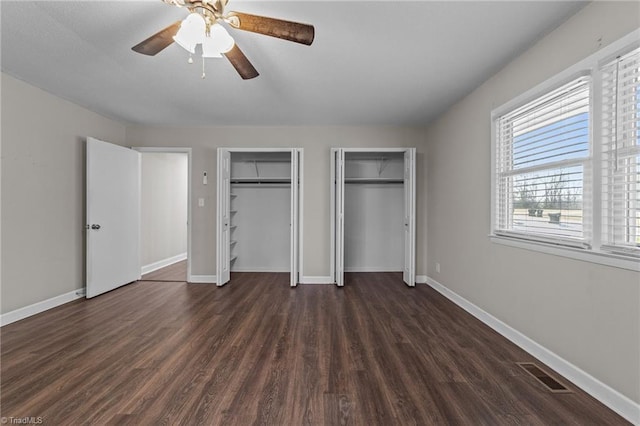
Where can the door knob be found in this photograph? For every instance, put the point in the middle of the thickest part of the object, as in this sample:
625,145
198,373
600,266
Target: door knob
95,226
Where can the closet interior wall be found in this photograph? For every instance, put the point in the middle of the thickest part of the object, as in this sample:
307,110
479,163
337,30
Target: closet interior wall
374,211
260,211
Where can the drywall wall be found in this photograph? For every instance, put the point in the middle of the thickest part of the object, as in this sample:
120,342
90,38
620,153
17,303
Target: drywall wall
263,231
316,142
586,313
163,206
373,227
43,192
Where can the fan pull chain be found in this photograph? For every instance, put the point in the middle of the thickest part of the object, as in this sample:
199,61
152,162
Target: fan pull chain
203,74
190,60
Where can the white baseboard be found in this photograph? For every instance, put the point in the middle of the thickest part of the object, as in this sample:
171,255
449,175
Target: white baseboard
370,269
36,308
610,397
420,279
163,263
202,279
285,269
316,280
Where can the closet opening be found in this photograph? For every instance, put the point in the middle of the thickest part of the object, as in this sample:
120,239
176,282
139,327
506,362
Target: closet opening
373,203
258,212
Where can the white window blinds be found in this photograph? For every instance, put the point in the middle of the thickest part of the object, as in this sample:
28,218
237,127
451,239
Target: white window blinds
543,168
621,154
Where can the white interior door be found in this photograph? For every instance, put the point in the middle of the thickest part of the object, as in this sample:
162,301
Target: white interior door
223,226
338,161
409,271
113,216
295,209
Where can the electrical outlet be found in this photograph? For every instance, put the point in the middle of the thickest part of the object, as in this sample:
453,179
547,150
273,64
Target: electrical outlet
200,202
437,267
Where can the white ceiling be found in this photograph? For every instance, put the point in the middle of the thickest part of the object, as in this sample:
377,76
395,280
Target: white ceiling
372,62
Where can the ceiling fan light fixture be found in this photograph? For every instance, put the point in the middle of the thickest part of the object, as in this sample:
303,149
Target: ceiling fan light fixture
191,32
217,42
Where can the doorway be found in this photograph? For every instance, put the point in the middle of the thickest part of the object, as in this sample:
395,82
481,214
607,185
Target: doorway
165,214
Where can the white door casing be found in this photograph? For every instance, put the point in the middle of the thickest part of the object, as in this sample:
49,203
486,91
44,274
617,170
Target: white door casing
113,216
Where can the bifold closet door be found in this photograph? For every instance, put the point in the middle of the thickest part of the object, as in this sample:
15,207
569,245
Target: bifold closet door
409,271
223,262
295,210
113,216
338,214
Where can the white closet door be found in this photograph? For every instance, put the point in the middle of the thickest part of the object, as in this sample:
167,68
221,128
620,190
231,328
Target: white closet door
223,264
295,190
113,216
409,272
338,160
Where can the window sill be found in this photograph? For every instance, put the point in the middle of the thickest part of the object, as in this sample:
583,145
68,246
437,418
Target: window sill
593,256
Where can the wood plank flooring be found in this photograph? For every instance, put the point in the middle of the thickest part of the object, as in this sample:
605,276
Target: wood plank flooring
174,272
259,352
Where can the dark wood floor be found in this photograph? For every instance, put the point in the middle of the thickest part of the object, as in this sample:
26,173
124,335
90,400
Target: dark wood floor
175,272
258,352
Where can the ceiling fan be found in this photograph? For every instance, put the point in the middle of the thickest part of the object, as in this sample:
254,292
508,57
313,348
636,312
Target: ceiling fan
202,26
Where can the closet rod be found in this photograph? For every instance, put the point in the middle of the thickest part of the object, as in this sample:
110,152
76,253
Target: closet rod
268,160
372,180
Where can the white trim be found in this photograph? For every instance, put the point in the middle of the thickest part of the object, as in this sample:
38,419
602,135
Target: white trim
610,397
593,256
370,269
177,150
265,269
317,280
300,213
163,263
201,279
420,279
36,308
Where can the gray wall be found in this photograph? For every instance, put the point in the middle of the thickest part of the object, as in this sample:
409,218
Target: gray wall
43,201
586,313
316,142
163,206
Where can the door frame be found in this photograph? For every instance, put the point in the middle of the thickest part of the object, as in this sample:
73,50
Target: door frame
333,212
177,150
299,210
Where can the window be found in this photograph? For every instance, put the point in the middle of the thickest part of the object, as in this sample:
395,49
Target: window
621,154
566,162
543,167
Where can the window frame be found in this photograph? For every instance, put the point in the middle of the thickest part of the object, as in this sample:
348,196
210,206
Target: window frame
609,210
595,252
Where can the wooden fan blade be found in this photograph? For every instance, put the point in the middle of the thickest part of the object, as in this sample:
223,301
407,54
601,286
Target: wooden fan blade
287,30
241,63
154,44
